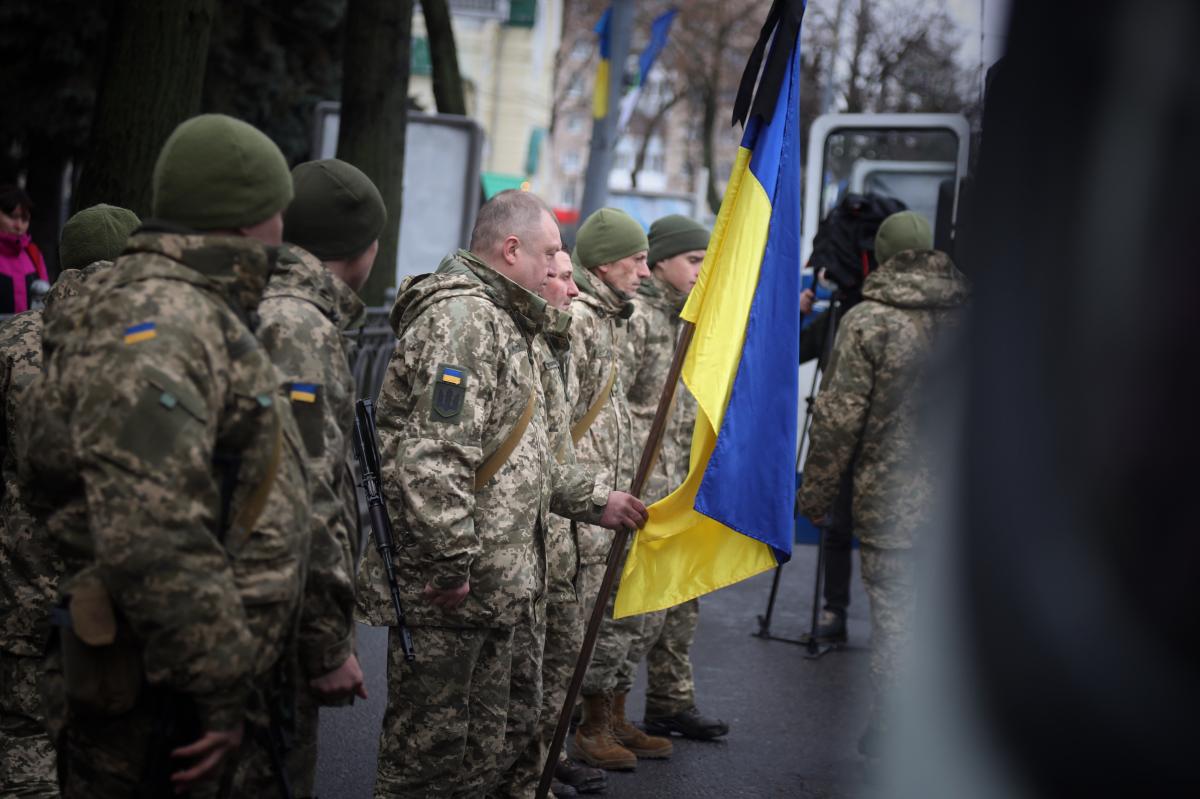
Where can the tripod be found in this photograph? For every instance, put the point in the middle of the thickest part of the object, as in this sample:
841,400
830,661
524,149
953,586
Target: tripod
813,648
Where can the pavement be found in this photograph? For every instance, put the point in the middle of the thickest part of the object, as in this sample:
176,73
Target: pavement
794,721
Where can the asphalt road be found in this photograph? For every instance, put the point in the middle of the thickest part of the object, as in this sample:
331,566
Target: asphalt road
794,721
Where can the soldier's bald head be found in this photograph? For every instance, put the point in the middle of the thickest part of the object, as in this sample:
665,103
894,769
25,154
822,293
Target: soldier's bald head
508,213
516,234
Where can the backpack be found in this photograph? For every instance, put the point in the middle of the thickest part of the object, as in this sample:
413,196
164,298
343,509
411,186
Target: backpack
845,242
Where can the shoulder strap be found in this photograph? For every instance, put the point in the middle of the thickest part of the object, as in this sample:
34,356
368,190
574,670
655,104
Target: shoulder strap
498,458
581,427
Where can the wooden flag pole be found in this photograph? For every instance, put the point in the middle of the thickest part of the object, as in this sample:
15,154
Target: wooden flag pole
615,560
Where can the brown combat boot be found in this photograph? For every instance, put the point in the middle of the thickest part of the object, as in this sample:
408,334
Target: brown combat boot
633,739
594,743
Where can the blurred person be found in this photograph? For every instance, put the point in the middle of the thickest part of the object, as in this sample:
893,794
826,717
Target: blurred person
677,246
470,476
332,229
167,472
865,424
611,248
29,567
21,261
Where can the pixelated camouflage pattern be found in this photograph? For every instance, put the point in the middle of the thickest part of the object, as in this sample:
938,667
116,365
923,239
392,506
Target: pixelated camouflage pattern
123,472
27,759
304,313
866,412
666,645
597,335
565,626
888,577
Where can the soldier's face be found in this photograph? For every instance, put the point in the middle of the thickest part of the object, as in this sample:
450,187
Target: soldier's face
626,274
680,272
532,259
15,222
560,289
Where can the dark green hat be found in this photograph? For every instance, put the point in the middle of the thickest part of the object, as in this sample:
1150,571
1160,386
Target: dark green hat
216,172
674,234
906,230
337,212
95,234
608,235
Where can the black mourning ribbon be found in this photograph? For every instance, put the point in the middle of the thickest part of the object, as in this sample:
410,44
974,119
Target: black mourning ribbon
784,21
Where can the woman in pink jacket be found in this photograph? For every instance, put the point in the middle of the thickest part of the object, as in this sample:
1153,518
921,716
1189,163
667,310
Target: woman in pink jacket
21,262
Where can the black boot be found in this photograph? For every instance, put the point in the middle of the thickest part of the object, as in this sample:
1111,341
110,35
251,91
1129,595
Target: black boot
561,790
688,723
582,778
831,627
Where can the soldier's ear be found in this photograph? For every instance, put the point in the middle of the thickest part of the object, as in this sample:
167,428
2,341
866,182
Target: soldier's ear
508,249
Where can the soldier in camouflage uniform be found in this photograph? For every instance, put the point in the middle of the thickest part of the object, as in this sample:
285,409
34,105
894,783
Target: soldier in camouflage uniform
167,469
611,249
471,560
29,568
865,422
677,246
332,227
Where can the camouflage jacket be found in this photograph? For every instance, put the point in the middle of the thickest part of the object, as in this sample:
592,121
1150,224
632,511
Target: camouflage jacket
305,310
462,373
160,425
29,565
597,338
866,414
649,347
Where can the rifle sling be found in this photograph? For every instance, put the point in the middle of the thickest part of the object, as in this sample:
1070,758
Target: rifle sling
498,458
579,428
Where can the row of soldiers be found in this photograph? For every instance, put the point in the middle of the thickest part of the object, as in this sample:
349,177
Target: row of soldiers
180,524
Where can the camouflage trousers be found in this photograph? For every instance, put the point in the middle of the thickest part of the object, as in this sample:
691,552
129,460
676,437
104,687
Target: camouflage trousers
564,638
887,575
27,761
464,712
666,644
302,756
616,639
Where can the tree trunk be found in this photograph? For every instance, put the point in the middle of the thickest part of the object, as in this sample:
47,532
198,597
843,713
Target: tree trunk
855,96
443,55
151,82
44,182
651,127
374,115
709,121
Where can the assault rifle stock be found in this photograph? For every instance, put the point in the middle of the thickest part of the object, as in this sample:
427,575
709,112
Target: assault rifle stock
366,452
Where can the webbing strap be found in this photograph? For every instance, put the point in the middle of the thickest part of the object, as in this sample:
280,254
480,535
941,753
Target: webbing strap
498,458
581,427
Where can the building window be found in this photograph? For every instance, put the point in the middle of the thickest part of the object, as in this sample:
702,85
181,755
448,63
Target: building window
419,60
522,13
574,123
570,163
566,196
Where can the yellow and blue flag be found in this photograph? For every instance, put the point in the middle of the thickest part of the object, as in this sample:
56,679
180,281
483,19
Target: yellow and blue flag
660,29
145,331
304,392
600,93
733,516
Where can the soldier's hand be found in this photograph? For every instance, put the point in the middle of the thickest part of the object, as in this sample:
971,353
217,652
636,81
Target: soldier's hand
807,298
343,682
211,749
447,598
623,510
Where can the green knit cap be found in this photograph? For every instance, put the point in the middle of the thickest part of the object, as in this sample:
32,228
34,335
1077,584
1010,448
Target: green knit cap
215,171
674,234
337,212
906,230
608,235
95,234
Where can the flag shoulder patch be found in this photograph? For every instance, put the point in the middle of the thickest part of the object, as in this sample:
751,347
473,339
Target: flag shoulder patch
143,331
449,392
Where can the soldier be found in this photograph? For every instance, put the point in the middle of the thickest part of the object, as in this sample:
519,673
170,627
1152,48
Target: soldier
161,432
336,217
470,475
29,568
564,613
865,423
677,246
611,247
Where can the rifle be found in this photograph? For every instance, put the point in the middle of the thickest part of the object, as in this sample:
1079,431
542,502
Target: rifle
366,452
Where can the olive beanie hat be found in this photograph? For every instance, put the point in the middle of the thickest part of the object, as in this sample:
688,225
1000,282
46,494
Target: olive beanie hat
906,230
673,235
607,236
95,234
337,212
215,171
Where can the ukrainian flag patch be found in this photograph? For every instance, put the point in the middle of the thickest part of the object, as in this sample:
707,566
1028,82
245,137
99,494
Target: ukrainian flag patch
143,332
304,392
451,375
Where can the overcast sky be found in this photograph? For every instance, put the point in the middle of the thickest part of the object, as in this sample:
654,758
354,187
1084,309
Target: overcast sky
994,23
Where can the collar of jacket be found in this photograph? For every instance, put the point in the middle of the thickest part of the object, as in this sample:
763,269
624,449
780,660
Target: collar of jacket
528,309
598,295
235,267
918,279
300,274
11,244
661,294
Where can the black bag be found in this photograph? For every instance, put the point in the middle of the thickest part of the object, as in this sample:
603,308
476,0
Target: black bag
845,242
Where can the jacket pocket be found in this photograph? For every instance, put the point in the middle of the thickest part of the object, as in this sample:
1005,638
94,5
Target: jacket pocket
102,668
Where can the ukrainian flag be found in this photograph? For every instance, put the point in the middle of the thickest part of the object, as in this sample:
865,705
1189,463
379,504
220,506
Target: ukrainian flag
600,94
733,516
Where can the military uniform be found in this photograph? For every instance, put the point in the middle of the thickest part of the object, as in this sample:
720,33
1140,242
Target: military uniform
467,364
304,312
666,637
167,469
866,420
